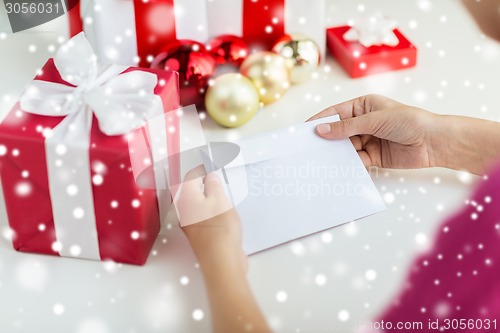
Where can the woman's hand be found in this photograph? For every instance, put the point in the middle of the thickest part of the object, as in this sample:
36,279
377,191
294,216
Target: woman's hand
212,225
385,133
214,231
389,134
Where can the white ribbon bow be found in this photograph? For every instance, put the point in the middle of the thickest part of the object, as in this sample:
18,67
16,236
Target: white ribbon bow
121,104
373,30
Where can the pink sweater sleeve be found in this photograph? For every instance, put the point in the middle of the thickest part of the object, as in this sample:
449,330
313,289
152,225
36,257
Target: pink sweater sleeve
459,277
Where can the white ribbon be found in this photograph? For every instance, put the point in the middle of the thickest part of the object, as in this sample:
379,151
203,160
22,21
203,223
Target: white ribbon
120,102
373,30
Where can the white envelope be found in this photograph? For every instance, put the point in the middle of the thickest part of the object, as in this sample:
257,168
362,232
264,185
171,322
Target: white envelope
290,183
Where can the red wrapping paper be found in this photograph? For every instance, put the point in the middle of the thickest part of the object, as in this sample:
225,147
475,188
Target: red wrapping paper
151,41
75,21
359,61
24,164
258,17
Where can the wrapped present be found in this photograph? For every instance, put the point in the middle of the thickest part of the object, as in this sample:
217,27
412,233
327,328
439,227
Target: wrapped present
370,46
65,166
261,23
131,32
140,29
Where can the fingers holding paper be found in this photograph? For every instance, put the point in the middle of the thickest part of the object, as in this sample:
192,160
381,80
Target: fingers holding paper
209,221
385,133
356,117
201,197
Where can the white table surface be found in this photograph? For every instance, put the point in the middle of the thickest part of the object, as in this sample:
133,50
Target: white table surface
458,72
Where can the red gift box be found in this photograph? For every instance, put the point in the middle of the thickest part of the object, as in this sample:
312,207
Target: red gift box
140,28
127,217
359,61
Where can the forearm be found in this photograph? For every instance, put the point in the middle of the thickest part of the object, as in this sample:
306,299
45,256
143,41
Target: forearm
216,242
233,306
464,143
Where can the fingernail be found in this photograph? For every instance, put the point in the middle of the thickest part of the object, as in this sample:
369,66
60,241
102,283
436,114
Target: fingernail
323,128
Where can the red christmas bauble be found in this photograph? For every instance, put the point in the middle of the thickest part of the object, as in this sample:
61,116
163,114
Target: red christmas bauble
194,64
229,49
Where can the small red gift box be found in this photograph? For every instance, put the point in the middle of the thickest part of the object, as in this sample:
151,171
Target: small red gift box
359,61
125,219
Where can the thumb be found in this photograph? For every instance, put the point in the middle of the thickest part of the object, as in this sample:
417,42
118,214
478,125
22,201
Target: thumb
213,185
345,128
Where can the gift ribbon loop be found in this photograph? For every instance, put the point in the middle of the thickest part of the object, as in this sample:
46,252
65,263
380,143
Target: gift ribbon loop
373,30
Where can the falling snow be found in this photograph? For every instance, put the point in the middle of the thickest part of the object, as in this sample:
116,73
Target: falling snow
320,279
23,189
198,314
58,309
343,315
370,275
281,296
344,258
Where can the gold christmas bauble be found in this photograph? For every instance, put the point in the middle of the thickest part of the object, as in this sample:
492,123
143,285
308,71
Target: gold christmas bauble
269,72
302,56
232,100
